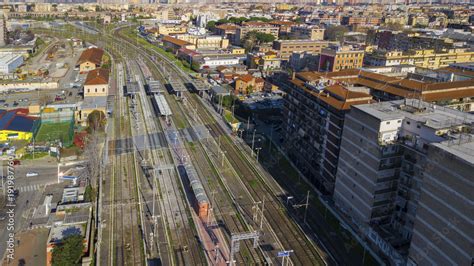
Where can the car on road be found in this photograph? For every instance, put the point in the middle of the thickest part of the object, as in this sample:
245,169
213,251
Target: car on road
32,174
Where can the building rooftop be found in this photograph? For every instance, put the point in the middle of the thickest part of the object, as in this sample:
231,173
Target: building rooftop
175,41
432,116
17,120
98,76
93,55
8,58
94,102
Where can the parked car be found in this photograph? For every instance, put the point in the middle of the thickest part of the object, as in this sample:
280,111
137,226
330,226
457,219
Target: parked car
32,174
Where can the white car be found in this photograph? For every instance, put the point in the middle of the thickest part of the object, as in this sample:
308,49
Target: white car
31,174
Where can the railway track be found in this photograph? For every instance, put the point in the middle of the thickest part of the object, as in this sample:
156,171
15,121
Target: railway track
125,236
305,253
186,248
229,217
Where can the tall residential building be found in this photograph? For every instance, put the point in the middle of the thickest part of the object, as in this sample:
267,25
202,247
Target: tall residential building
287,47
336,58
405,173
3,29
247,27
421,58
314,110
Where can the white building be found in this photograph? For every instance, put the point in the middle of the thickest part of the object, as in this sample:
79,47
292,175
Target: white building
208,62
9,63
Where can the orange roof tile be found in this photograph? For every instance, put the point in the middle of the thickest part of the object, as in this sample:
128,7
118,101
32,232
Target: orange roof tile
98,76
175,41
93,55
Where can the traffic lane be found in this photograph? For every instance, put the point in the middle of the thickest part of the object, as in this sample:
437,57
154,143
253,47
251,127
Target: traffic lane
47,174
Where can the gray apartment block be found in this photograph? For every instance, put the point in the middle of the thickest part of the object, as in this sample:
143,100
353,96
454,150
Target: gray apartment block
443,233
401,174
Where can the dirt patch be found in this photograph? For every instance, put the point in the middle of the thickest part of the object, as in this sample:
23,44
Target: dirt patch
30,248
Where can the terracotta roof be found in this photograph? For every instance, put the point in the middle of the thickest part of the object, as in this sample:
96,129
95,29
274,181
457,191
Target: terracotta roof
259,80
227,27
93,55
175,41
344,93
255,24
246,78
97,77
283,23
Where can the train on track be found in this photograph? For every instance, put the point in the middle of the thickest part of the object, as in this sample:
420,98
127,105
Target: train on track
201,200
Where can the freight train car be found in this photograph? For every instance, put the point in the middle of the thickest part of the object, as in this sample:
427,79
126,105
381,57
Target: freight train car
202,202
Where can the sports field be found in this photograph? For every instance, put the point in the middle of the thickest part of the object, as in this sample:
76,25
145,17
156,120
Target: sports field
55,131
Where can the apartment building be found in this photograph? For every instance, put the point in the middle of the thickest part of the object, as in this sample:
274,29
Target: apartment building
360,20
205,42
336,58
247,27
247,84
264,61
455,94
171,29
307,32
392,178
314,110
287,47
421,58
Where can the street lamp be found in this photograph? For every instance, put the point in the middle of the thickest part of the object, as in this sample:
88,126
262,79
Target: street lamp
258,152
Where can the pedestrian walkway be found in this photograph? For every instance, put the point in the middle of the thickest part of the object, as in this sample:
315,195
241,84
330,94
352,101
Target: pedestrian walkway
34,187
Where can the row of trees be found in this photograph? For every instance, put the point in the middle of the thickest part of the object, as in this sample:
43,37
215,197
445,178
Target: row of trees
255,38
234,20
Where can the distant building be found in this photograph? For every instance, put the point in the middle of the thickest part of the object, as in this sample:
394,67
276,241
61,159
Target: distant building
171,29
307,32
421,58
264,61
205,42
173,44
262,27
337,58
90,59
3,29
247,84
287,47
307,61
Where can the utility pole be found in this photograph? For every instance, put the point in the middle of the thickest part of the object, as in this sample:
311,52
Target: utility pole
258,152
253,140
306,207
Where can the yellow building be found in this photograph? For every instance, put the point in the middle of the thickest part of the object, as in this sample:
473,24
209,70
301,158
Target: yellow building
90,59
16,125
420,58
337,58
171,29
97,83
205,42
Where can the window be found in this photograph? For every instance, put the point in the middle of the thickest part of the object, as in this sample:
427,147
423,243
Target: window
95,89
388,123
103,89
88,90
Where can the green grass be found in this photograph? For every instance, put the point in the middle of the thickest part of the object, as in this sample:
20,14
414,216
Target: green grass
54,131
38,155
229,118
133,36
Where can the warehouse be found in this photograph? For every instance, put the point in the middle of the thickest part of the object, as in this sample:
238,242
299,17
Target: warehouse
9,63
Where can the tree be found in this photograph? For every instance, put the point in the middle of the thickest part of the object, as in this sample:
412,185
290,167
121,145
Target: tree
335,33
96,120
211,24
69,251
256,38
